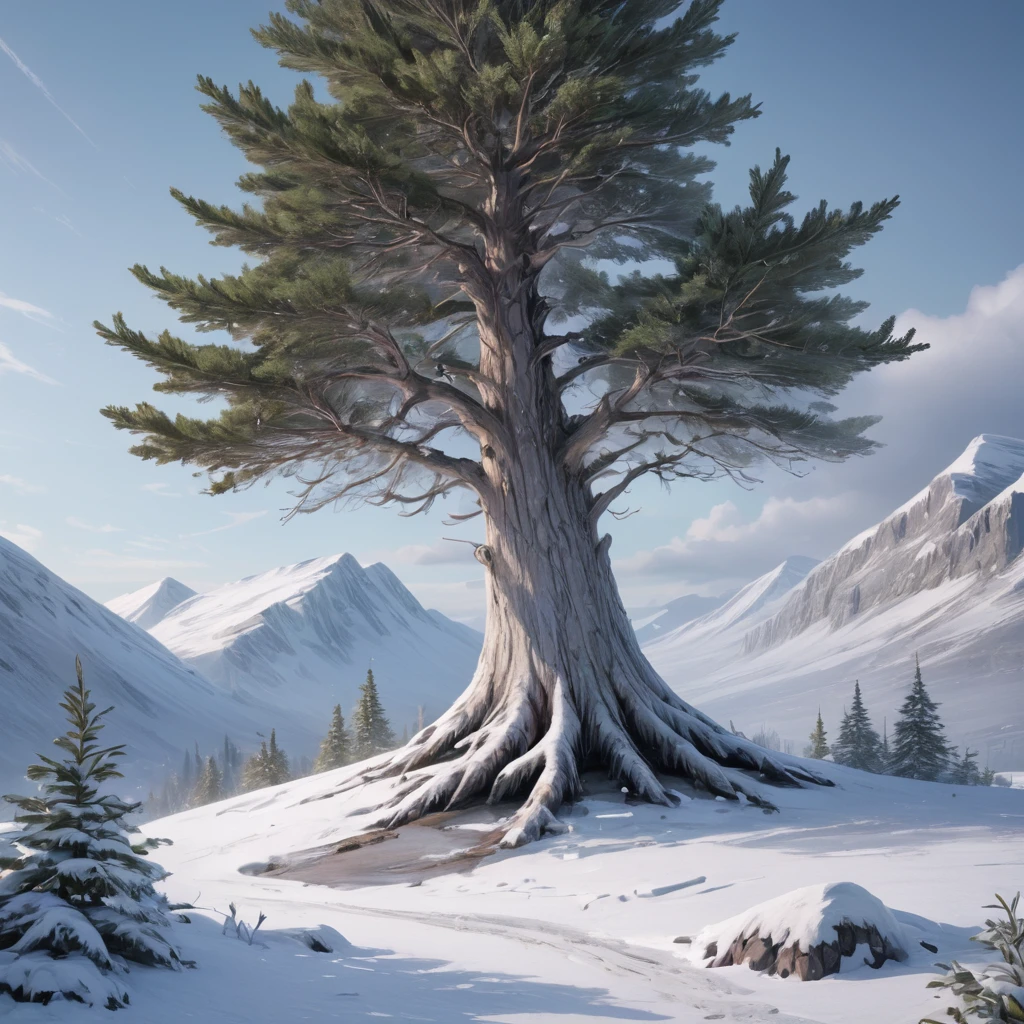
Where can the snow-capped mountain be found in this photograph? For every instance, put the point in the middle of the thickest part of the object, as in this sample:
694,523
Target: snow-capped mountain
162,704
146,607
941,576
300,638
651,623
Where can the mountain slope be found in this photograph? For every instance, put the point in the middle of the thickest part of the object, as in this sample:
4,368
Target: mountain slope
146,607
162,705
652,623
941,576
300,638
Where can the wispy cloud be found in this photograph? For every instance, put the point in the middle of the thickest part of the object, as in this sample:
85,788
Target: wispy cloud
27,537
78,524
20,486
12,159
26,309
41,86
9,363
160,489
100,558
149,543
237,519
444,552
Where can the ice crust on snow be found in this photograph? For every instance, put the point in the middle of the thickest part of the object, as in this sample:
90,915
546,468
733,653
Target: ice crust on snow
805,917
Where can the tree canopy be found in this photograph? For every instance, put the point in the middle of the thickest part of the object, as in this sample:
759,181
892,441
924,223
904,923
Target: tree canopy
461,155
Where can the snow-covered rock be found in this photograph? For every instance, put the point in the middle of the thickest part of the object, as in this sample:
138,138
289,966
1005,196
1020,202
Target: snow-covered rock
146,607
806,933
941,576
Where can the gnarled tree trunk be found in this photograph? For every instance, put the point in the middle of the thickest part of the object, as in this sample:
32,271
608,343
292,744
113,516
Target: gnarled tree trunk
561,681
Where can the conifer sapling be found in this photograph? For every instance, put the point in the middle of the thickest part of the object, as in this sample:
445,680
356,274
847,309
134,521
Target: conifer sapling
76,889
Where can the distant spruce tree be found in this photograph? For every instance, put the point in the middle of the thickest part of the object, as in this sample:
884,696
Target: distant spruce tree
336,749
188,773
230,764
208,788
818,747
278,762
919,747
267,767
965,770
858,745
76,895
256,770
370,728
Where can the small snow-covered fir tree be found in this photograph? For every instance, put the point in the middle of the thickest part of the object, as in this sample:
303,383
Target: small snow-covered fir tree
335,751
919,747
858,745
370,727
208,788
818,748
76,893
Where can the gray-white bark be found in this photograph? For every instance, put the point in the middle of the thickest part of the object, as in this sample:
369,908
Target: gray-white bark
561,683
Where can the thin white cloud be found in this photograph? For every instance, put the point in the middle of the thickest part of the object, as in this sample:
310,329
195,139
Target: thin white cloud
100,558
41,86
78,524
26,309
26,537
237,519
20,486
148,543
14,161
444,552
9,363
161,490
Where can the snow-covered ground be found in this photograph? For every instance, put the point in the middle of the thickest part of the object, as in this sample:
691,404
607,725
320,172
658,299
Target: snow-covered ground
577,927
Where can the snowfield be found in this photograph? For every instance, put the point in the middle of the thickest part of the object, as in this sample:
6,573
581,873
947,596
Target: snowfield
577,927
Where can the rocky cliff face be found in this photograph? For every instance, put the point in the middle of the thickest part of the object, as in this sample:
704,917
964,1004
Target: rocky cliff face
942,577
968,520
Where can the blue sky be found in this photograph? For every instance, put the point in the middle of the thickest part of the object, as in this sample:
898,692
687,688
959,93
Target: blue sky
100,118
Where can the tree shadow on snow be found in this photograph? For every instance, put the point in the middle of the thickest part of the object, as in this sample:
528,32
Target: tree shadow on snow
278,978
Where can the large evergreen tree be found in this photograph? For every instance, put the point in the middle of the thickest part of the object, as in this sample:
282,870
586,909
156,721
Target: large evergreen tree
919,747
419,230
75,891
858,745
371,730
818,747
336,749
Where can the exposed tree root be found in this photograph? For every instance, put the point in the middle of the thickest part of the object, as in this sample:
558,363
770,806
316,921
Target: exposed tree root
534,738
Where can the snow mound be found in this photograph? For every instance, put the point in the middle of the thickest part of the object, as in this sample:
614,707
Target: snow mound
806,932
